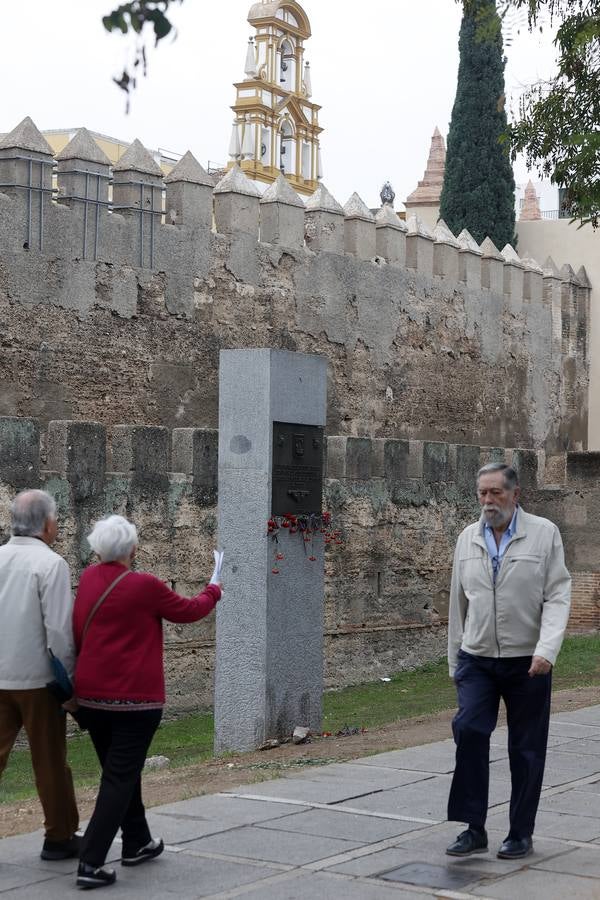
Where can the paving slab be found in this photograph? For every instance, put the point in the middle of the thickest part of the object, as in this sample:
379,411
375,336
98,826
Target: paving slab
534,883
189,877
349,827
334,791
12,876
380,776
561,768
436,875
426,799
561,740
573,730
582,747
226,809
321,885
438,758
375,863
24,850
178,830
430,844
587,715
577,802
590,787
556,825
48,888
332,831
577,764
580,861
256,843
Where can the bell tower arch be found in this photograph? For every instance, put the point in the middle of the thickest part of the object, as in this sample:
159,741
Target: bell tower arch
276,127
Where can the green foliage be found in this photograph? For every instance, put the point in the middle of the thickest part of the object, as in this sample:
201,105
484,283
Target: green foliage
558,128
138,15
478,191
559,124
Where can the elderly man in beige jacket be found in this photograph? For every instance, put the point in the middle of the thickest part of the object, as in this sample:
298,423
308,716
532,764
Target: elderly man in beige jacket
509,607
35,616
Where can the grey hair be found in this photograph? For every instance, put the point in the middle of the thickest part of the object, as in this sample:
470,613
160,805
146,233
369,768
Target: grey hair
30,510
113,538
511,477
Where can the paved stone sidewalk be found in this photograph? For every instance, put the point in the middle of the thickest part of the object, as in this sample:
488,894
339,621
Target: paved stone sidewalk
371,828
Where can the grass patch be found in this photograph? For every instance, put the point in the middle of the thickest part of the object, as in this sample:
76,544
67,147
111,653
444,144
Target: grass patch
579,662
184,741
423,691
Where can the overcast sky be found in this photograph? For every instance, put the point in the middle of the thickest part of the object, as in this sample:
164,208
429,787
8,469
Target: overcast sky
384,72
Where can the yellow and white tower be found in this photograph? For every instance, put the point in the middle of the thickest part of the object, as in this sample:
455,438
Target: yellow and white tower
276,126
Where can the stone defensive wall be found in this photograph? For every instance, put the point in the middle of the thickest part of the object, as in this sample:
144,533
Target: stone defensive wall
400,506
118,289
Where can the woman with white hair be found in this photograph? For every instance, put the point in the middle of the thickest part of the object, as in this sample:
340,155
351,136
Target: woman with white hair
120,687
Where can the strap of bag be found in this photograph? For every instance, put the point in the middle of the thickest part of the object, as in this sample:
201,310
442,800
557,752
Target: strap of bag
99,603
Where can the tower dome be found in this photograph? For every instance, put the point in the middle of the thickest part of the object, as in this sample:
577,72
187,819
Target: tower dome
287,11
276,128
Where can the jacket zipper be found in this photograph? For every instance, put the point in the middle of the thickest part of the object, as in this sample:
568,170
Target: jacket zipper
500,570
496,620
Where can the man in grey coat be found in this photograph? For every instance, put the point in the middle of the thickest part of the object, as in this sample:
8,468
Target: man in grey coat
35,617
509,608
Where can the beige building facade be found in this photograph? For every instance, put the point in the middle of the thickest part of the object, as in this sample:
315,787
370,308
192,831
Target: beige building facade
565,242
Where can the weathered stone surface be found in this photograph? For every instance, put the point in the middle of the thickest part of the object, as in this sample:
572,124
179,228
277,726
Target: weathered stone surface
195,452
282,192
77,450
83,146
143,452
189,169
137,159
356,208
236,182
25,136
19,452
323,201
443,235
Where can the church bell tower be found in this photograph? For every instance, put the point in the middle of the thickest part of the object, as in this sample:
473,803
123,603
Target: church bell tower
276,127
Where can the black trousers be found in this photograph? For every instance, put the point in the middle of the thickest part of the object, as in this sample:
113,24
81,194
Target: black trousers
481,682
121,740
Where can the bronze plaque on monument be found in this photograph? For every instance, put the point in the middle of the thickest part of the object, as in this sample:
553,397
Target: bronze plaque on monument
297,469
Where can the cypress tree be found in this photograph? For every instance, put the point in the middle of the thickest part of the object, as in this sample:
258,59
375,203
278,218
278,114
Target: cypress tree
479,185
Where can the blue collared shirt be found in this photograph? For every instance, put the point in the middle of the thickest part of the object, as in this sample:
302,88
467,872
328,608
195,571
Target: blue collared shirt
497,552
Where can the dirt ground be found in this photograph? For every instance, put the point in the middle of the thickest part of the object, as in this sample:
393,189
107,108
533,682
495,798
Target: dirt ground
210,777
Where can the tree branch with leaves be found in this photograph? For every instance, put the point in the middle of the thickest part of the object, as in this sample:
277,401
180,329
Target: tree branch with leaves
140,17
558,128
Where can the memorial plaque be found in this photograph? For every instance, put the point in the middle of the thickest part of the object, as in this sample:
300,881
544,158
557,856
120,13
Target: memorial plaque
297,469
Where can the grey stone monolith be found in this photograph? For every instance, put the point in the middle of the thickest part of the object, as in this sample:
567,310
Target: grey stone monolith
269,661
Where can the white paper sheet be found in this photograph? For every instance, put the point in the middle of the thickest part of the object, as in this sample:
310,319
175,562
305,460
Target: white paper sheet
216,575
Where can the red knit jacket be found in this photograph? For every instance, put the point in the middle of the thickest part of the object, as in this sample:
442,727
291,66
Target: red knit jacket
122,655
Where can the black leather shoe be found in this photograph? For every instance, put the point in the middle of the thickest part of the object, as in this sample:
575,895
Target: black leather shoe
54,850
88,877
515,849
150,851
468,842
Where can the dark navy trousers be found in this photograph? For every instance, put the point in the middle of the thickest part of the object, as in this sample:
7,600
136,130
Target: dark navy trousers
480,683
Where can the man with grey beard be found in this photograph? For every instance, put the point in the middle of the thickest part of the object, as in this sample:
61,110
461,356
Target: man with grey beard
509,607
